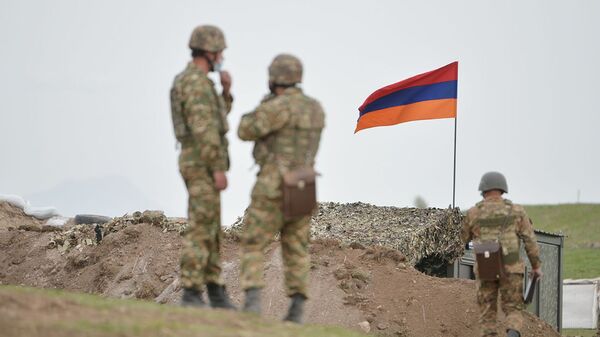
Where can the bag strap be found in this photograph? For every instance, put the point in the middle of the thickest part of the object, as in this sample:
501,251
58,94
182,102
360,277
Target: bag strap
296,132
505,224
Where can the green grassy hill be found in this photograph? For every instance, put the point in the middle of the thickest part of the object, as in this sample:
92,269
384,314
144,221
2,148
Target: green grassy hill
581,224
52,313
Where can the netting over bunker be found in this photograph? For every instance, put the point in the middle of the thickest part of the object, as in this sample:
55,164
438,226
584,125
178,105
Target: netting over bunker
429,238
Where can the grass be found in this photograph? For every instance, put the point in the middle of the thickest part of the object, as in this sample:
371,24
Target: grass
581,225
40,312
581,263
579,332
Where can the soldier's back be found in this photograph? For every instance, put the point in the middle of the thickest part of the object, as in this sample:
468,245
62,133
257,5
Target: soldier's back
298,141
498,219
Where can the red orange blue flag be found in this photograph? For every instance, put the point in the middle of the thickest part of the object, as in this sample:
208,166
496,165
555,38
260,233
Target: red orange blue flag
430,95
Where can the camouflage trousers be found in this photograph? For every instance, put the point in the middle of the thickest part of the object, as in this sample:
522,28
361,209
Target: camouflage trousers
510,289
262,221
200,260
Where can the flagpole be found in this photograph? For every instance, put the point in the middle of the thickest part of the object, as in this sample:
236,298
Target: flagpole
454,174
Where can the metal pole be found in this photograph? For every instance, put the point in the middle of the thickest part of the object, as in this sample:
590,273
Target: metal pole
454,174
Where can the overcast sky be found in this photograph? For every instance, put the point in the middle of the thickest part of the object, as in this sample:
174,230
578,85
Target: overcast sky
84,97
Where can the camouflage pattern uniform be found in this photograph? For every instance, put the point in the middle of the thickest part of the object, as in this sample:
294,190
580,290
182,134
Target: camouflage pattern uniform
286,130
488,221
200,123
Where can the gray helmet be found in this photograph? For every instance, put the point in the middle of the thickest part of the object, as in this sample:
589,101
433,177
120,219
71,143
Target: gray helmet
493,181
285,69
208,38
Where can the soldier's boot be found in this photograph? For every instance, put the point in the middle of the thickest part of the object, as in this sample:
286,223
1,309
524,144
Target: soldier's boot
192,298
218,297
252,303
296,309
512,333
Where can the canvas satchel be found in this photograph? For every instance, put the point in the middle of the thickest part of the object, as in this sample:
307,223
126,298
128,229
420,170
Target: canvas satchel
490,264
299,192
489,260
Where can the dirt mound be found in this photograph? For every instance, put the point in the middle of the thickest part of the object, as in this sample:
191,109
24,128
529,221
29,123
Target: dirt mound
13,217
360,287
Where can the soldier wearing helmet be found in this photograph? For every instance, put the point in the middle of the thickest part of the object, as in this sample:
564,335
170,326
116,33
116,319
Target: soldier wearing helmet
495,219
200,123
286,130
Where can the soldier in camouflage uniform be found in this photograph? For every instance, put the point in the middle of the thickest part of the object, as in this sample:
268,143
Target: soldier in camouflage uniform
200,123
286,128
495,218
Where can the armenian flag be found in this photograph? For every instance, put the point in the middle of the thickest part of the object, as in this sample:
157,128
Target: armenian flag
430,95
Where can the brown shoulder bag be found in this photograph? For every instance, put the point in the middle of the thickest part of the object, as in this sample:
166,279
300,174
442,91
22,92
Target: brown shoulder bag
299,192
490,265
489,260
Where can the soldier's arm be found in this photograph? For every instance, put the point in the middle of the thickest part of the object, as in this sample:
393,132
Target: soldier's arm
526,233
466,234
228,99
266,119
204,127
226,94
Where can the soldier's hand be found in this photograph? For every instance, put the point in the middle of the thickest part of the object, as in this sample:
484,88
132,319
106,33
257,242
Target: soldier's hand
537,272
220,180
225,82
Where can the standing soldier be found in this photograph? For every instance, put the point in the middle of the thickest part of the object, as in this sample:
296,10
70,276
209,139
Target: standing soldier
498,225
200,123
286,128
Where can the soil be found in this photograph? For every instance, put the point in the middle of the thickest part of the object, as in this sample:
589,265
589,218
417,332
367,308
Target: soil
13,217
371,289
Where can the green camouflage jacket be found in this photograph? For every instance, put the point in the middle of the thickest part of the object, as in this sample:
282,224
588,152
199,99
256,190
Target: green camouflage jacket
499,219
286,130
200,119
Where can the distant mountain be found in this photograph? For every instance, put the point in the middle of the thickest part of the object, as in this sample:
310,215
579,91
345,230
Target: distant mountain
108,195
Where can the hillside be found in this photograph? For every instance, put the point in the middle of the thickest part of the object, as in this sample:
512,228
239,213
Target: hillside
51,313
581,224
349,284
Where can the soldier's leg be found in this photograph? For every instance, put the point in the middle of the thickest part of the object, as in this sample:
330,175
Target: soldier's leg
263,218
511,292
197,238
213,264
296,260
487,298
294,243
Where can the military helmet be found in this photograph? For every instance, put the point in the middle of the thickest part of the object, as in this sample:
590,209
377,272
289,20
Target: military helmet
208,38
493,181
285,69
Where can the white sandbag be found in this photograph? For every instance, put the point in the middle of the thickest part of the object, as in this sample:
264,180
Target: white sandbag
14,200
57,221
41,213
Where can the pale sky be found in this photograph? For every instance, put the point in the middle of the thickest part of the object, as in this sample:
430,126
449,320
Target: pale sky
84,97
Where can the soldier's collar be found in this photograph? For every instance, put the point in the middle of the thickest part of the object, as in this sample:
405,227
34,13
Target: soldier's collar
292,90
192,66
494,198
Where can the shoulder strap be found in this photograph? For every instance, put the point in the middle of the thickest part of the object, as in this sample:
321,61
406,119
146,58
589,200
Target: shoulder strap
506,220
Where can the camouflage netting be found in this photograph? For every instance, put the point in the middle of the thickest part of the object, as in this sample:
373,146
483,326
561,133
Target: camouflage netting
429,238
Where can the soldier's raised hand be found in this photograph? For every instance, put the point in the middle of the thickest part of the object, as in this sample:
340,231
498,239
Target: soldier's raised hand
225,82
220,180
